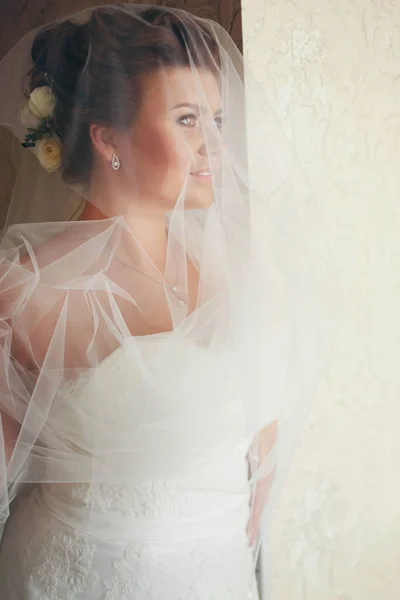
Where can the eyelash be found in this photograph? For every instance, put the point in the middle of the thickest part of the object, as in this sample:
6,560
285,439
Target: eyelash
195,117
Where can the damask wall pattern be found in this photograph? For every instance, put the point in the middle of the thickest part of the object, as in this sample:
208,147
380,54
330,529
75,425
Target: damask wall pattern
331,69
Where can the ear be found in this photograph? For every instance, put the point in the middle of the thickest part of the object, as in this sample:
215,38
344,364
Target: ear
103,140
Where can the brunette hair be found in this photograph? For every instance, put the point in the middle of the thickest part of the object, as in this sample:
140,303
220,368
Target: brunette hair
95,70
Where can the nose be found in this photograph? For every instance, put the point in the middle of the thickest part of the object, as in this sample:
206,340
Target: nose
210,141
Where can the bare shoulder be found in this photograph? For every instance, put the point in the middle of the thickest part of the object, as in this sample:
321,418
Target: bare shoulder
32,295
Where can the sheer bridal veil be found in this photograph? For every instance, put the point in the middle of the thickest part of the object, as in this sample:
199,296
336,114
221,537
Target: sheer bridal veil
120,116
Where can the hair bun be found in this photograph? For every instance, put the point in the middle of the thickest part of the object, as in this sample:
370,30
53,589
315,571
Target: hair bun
61,48
40,49
76,43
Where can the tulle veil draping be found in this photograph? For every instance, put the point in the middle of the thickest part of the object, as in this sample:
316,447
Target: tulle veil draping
74,292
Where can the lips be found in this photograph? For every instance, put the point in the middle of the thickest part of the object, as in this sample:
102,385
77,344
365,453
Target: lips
204,176
201,173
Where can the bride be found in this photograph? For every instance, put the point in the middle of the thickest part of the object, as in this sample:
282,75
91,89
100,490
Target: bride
142,354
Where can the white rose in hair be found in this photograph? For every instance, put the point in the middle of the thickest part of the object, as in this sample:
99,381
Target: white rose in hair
48,150
28,118
42,102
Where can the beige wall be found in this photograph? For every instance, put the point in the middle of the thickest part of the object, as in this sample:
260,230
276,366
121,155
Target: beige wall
332,70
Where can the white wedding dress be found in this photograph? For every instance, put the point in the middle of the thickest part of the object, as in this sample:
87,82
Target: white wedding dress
178,537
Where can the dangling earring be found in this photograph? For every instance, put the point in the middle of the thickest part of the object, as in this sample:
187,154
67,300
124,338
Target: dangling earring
115,162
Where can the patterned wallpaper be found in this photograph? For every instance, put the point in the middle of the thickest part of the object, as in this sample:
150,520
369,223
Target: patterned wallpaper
331,69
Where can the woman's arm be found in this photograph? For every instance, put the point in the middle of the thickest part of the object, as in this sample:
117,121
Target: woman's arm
265,441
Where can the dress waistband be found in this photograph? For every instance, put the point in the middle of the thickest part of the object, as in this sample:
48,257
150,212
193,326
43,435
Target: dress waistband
111,527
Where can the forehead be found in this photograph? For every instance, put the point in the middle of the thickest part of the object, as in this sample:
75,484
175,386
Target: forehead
168,88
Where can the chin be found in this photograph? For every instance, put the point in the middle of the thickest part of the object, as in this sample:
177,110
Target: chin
200,200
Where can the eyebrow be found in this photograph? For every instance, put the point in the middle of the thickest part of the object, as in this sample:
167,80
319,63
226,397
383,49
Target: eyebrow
194,107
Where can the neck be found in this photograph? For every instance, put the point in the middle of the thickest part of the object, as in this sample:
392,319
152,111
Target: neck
148,229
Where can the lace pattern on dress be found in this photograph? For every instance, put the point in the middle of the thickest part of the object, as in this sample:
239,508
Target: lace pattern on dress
137,575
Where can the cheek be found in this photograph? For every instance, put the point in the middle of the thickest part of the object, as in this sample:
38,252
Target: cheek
163,150
159,159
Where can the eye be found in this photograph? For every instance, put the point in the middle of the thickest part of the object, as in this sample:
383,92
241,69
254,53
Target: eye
218,121
189,120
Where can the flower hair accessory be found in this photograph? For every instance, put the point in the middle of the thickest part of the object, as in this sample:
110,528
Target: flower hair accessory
38,116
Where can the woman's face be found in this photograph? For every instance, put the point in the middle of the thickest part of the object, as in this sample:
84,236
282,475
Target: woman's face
175,138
